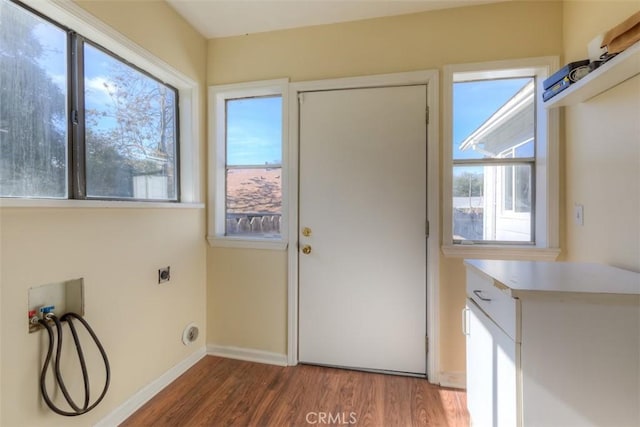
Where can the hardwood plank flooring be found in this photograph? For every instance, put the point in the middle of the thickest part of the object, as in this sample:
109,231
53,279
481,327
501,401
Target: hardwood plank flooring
226,392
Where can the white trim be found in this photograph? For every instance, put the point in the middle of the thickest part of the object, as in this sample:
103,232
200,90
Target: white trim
453,379
524,253
547,162
189,109
378,80
142,396
90,204
247,354
429,78
238,242
217,192
292,255
67,13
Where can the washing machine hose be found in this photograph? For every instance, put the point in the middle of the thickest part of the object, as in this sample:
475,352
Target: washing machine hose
86,406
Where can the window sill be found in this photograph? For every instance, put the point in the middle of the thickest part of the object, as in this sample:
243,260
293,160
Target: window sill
526,253
112,204
243,243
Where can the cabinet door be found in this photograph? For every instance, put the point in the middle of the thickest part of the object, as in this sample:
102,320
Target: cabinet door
492,389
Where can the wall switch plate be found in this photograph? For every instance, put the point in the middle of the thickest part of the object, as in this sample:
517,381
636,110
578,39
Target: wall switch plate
164,274
578,214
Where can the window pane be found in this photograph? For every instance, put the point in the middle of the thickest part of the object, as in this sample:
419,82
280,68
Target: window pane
508,188
254,202
483,203
130,131
33,105
522,190
254,131
494,119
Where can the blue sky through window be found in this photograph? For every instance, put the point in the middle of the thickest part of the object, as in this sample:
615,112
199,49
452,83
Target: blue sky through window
474,102
54,51
254,131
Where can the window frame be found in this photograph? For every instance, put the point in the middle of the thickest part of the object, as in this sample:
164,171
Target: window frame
72,17
545,176
216,198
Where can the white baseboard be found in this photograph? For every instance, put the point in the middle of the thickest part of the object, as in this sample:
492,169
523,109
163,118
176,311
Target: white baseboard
126,409
248,354
453,379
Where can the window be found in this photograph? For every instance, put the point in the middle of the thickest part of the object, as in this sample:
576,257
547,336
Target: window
130,130
33,110
494,127
253,203
247,172
501,161
79,122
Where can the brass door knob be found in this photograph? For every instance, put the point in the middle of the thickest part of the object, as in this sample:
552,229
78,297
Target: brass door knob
306,249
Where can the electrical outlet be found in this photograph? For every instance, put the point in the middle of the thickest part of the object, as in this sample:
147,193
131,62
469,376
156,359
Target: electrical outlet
164,274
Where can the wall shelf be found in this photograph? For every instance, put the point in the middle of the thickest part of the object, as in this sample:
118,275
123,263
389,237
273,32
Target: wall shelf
623,67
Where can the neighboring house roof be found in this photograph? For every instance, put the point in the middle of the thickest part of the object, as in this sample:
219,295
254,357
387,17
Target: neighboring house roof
510,126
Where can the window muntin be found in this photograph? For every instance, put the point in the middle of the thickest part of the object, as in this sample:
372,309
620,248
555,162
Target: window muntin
128,155
253,166
494,129
33,106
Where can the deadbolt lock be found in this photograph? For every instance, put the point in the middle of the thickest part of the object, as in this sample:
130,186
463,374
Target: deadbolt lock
306,249
306,232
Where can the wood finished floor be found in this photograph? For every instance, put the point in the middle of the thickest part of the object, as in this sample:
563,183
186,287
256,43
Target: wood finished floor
226,392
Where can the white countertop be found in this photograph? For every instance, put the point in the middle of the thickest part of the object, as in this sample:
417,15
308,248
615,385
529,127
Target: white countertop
527,276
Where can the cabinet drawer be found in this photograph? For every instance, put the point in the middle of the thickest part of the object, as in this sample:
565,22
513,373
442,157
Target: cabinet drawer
497,304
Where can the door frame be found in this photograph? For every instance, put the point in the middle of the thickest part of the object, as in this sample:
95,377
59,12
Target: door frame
426,77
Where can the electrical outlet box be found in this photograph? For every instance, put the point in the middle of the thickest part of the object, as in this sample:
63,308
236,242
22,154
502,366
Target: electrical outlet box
164,274
65,296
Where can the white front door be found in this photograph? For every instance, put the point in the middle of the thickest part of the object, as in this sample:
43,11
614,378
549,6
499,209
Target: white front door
362,286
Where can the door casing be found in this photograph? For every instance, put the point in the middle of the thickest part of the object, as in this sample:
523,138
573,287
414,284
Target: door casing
429,78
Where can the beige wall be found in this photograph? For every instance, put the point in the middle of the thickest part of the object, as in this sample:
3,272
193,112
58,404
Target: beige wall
247,299
602,150
396,44
385,45
117,251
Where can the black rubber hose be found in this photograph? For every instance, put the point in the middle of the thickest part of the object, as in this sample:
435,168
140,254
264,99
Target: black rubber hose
43,374
83,365
76,410
103,353
58,372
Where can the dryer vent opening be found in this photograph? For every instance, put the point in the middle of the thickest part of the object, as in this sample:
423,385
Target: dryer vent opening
190,334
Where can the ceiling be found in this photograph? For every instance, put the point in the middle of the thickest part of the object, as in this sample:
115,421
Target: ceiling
223,18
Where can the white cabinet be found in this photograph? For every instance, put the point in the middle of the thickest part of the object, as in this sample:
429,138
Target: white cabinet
491,402
552,344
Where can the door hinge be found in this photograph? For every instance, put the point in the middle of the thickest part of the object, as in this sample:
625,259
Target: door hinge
427,115
426,228
426,344
301,98
74,117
